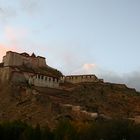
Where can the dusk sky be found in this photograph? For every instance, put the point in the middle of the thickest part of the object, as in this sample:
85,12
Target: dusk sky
100,37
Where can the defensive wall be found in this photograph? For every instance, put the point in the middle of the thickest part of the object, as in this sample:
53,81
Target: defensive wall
80,78
18,59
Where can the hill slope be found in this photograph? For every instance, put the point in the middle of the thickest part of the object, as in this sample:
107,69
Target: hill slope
77,102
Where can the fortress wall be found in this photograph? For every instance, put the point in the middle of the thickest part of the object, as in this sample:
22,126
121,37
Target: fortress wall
34,61
44,81
4,59
5,74
41,61
27,61
81,78
18,77
1,73
12,59
16,59
27,75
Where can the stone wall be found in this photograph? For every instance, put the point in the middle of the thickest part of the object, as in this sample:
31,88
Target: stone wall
44,81
79,78
5,73
16,59
41,61
15,76
18,77
12,59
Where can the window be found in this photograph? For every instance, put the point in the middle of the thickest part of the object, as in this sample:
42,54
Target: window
53,79
38,76
45,78
41,76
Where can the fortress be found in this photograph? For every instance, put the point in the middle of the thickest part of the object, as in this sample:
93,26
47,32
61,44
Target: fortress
33,70
16,59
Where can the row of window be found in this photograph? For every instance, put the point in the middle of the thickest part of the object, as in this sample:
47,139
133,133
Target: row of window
76,77
47,78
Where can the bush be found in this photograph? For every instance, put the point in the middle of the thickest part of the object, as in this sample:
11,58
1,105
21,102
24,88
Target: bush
66,130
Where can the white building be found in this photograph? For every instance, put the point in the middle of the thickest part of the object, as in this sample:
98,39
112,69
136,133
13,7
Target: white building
44,81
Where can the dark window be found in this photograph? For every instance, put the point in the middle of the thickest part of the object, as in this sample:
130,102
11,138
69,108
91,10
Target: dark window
53,79
42,77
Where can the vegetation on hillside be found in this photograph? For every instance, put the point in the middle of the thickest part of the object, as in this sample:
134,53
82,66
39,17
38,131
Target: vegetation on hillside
42,70
66,130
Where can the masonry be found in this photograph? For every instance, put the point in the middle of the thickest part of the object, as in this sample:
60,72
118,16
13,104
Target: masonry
44,81
18,59
80,78
25,68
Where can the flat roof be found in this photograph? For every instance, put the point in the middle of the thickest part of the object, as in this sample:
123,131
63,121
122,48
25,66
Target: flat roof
81,75
25,54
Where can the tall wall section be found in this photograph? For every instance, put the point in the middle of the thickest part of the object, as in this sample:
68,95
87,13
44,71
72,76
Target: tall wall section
5,73
16,59
41,61
12,59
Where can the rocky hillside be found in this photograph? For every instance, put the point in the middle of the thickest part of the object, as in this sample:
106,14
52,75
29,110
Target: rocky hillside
85,102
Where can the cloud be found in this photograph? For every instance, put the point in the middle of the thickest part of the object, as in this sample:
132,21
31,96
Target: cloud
32,7
14,34
131,79
86,68
13,40
4,49
7,13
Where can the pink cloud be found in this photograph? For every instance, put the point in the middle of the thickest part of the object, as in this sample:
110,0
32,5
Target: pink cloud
14,34
4,49
87,68
13,40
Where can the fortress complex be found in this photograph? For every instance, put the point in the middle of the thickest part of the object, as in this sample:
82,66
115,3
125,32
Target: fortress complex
23,68
33,70
17,59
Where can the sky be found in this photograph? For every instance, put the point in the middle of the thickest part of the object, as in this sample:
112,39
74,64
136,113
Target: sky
99,37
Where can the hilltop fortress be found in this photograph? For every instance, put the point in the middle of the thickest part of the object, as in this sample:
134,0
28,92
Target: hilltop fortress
33,70
16,59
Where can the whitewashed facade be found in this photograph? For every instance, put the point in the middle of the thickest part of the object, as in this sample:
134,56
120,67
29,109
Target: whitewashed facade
44,81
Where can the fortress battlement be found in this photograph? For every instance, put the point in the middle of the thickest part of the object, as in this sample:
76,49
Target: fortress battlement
81,78
19,59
